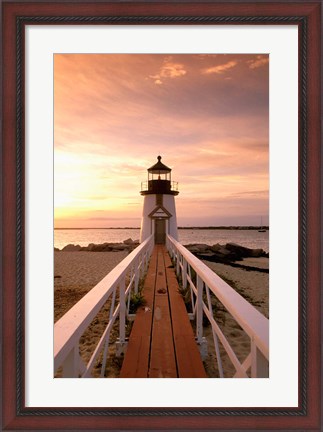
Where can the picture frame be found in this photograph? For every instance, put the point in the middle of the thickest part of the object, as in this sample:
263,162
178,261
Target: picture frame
306,15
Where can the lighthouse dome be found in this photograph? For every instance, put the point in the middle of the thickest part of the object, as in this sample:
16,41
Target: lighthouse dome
159,167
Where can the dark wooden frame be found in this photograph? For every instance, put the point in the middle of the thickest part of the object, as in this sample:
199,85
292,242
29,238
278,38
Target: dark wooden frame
307,16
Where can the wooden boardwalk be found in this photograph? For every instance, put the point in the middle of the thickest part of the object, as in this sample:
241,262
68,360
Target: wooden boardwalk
161,343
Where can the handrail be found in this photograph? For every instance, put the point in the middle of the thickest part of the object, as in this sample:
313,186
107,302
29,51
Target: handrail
255,325
69,328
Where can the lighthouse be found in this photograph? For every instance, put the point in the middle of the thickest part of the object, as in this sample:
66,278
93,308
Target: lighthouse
159,212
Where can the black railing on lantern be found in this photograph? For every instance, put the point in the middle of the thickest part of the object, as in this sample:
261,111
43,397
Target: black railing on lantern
159,187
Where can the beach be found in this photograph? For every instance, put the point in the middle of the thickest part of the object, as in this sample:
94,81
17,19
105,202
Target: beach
75,273
78,272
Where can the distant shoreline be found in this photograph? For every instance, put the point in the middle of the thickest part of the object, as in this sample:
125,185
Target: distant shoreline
181,228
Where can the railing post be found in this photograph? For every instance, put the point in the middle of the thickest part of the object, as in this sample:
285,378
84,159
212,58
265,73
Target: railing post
172,251
177,262
259,363
199,309
71,364
130,277
184,274
142,265
122,316
136,276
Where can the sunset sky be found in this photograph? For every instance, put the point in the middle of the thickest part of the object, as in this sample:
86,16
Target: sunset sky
206,115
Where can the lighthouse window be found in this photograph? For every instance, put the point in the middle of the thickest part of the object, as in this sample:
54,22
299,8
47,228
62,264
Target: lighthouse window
159,199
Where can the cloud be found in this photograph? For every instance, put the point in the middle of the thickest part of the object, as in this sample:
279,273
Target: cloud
172,70
169,70
252,193
220,69
260,61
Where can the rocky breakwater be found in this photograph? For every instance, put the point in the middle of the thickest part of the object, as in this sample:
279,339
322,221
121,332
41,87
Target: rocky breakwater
127,245
229,254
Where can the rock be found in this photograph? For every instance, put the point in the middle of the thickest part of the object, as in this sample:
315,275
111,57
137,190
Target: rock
129,241
198,247
203,247
225,254
256,253
245,252
193,249
102,247
207,253
223,251
132,246
222,255
71,248
216,247
241,251
118,246
99,247
213,258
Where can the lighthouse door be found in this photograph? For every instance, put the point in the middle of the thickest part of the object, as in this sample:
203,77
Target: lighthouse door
160,231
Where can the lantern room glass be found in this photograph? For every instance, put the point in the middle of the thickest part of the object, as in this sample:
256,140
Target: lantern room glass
159,175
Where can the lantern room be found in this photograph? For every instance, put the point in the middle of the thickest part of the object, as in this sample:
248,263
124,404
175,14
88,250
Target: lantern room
159,180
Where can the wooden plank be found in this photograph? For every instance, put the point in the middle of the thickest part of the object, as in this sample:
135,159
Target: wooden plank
162,355
189,362
136,361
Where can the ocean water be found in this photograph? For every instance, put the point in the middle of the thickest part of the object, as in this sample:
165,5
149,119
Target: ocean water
249,238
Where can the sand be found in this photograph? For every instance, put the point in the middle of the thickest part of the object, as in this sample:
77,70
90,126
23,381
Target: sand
252,285
75,273
78,272
84,268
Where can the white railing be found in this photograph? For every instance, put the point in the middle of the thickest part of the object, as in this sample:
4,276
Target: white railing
116,289
205,284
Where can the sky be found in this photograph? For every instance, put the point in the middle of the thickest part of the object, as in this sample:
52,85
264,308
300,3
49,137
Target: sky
207,115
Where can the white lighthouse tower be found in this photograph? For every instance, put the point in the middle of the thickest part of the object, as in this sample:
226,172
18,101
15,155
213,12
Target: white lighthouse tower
159,212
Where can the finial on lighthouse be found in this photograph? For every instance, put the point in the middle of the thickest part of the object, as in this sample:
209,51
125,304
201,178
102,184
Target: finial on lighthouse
159,158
